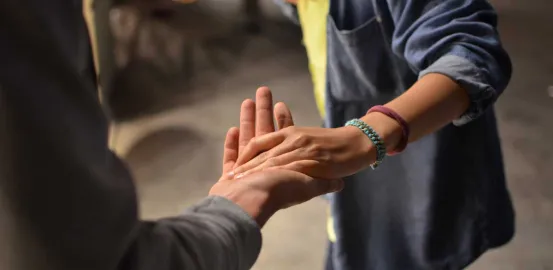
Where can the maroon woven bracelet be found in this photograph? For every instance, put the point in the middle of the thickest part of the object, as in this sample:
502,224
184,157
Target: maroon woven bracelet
404,126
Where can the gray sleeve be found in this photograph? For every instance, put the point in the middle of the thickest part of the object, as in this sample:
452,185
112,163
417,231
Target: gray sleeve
214,234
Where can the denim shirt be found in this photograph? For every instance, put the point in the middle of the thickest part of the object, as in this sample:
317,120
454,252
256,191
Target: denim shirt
442,202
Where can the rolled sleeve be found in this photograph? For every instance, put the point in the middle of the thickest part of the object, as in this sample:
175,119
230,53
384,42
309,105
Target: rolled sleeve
456,38
468,75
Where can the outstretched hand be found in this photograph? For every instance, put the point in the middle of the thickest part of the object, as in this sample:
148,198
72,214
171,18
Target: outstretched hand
261,194
256,119
323,153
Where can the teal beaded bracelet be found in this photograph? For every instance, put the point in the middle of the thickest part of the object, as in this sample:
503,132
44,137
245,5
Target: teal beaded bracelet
374,137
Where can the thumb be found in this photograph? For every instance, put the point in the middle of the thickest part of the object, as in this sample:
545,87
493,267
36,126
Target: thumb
230,151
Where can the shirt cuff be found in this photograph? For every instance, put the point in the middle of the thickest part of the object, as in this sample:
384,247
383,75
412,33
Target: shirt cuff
468,76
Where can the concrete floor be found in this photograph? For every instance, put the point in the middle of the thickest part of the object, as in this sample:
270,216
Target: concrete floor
175,155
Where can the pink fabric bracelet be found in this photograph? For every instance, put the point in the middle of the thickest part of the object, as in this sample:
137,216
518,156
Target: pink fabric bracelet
404,127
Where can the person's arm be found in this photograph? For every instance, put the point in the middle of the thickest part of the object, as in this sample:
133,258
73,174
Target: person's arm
67,201
71,202
214,234
224,223
455,48
456,51
431,103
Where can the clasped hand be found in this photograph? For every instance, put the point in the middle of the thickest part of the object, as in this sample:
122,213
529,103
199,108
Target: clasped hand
265,190
323,153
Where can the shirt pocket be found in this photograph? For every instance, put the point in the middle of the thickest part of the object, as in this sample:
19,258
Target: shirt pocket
359,64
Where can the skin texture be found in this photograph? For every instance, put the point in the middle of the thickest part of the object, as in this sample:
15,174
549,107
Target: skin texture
263,193
431,103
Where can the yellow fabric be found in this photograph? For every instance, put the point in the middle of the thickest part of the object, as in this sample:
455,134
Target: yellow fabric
330,228
313,18
313,15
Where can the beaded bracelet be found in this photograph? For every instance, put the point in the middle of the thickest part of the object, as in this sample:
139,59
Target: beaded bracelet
373,136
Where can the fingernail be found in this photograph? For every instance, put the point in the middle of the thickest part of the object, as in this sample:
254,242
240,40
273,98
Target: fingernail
240,175
230,174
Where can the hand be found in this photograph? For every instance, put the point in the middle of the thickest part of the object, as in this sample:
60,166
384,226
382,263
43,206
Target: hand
256,119
262,194
318,152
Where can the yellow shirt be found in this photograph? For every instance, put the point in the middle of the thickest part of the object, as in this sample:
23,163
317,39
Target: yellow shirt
313,17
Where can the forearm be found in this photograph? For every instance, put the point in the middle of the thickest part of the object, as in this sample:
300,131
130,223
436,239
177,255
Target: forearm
431,103
466,51
213,234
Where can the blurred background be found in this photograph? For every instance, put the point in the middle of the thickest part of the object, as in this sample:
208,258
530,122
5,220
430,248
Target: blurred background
173,77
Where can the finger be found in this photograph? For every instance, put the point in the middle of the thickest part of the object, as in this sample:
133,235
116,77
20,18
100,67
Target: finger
247,124
262,148
263,112
259,145
283,115
230,151
279,158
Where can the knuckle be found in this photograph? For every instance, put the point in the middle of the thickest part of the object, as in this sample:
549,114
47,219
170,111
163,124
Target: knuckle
320,154
314,150
301,139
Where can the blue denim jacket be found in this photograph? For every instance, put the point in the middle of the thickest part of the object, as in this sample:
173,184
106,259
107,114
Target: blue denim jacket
442,202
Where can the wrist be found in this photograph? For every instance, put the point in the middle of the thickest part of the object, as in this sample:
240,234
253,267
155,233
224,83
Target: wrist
255,203
362,147
387,128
